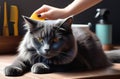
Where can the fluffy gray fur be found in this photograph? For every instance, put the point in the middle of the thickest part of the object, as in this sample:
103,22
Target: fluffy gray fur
52,46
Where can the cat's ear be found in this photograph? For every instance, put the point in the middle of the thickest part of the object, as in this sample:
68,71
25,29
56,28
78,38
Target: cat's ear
30,22
67,23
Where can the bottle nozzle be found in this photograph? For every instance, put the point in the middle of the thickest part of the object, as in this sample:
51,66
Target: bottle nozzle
103,14
98,13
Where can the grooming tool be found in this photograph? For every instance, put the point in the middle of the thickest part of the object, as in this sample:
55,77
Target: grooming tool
11,28
0,21
5,24
14,18
104,28
35,17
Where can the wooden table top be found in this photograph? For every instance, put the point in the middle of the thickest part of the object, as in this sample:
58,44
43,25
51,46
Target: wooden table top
108,73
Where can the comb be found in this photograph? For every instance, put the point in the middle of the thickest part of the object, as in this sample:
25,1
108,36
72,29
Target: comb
5,24
14,18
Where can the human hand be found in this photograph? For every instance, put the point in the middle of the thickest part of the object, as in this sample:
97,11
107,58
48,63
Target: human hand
49,12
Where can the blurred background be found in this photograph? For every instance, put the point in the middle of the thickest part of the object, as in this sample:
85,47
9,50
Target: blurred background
26,7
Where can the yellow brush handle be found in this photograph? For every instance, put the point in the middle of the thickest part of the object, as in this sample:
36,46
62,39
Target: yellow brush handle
14,18
5,25
34,16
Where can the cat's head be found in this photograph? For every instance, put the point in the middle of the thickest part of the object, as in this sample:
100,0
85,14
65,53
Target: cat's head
50,37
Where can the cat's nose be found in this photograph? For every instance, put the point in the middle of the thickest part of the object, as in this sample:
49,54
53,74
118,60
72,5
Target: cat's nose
47,50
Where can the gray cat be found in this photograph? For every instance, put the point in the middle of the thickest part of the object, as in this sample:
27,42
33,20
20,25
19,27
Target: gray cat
53,46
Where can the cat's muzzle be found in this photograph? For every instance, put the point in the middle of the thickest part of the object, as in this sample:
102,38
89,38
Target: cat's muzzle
45,54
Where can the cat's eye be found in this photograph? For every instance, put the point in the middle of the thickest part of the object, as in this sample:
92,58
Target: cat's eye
40,39
56,39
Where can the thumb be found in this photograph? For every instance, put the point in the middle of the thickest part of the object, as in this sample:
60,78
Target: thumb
45,15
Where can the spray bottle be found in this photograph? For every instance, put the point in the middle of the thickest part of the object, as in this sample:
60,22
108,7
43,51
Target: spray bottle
104,28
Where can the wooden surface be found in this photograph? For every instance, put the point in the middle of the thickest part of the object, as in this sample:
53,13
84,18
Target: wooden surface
9,44
108,73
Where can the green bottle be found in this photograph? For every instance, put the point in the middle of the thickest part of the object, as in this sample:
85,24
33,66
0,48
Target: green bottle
104,28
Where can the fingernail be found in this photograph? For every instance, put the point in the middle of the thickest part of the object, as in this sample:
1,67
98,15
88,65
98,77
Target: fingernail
39,15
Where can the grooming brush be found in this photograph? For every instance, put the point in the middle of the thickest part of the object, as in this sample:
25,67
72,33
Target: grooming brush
34,16
14,18
5,24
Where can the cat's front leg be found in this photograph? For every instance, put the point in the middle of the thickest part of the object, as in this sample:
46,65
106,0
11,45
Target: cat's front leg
18,68
40,68
13,71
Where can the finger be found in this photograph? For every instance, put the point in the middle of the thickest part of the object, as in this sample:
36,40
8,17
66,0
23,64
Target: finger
43,15
44,8
47,15
40,10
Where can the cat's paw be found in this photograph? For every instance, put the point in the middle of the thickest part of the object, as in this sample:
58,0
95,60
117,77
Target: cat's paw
40,68
13,71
